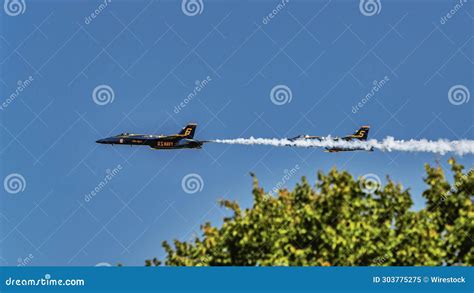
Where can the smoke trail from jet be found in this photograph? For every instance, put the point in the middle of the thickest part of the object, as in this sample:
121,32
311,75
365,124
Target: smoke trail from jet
389,144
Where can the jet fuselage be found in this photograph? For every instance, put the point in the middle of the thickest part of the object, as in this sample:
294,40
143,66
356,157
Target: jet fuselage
183,140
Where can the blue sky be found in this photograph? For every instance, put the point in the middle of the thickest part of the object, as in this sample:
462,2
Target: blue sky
150,54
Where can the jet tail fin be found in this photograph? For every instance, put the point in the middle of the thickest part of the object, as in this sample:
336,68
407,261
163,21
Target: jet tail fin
362,133
188,131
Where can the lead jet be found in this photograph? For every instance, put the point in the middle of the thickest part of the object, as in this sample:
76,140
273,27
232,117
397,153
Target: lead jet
182,140
361,134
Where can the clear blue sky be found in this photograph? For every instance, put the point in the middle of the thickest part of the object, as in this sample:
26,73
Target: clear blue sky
151,54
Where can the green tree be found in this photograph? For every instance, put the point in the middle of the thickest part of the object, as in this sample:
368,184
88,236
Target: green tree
339,222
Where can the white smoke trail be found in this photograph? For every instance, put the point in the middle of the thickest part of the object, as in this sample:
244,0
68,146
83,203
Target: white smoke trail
441,146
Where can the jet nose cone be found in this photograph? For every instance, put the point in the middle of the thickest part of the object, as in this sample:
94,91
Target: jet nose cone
100,141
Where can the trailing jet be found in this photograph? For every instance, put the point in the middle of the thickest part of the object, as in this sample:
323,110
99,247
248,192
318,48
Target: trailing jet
182,140
361,134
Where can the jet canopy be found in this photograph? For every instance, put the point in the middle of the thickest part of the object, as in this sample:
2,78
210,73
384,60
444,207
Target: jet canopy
299,137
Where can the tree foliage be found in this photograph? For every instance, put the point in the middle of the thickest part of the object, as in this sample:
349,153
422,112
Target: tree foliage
338,223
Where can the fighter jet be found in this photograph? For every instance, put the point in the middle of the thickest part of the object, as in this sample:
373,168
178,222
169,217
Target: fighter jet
361,134
182,140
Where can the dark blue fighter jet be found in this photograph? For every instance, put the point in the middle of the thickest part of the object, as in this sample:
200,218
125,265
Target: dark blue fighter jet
361,134
182,140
